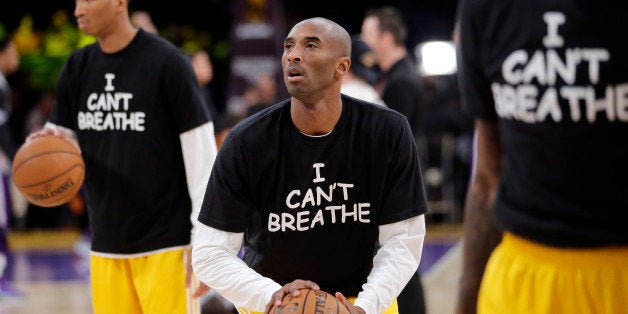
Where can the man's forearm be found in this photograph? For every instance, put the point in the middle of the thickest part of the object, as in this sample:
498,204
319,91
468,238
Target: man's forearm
481,236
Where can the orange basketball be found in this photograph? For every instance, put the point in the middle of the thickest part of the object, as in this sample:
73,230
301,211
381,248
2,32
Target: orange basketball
48,171
310,302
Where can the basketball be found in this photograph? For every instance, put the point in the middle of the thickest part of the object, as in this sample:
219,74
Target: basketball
310,302
48,171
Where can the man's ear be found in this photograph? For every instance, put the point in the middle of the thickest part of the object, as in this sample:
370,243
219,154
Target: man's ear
387,37
122,5
344,63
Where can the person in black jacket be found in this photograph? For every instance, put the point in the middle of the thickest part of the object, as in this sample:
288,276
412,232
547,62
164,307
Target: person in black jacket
384,30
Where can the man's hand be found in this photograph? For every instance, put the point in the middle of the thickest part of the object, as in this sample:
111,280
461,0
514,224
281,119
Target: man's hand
352,309
202,289
290,288
52,132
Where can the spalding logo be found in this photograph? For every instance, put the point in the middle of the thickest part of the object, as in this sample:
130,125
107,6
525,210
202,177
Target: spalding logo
48,192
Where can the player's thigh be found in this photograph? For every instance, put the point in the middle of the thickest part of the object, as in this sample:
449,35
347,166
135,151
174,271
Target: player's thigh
523,277
112,286
160,279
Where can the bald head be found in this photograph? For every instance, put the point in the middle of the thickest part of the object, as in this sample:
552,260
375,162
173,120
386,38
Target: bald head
335,33
315,57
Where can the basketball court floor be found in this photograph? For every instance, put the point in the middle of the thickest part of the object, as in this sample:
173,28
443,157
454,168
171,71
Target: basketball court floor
50,267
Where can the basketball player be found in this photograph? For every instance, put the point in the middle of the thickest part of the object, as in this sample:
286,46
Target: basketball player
309,187
133,103
547,82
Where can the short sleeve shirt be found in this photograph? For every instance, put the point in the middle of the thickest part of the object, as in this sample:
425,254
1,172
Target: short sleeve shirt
128,109
554,75
310,207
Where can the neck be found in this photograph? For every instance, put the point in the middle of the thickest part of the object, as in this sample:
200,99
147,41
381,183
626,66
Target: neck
318,118
118,39
391,57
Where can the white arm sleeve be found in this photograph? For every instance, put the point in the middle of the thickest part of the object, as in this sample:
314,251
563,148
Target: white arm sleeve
199,152
215,263
394,264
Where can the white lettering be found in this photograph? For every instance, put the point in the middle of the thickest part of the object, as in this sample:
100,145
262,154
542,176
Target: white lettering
621,98
273,222
345,186
309,198
320,193
301,220
573,95
101,121
594,57
318,219
549,105
306,220
553,20
362,213
289,198
520,103
318,167
109,77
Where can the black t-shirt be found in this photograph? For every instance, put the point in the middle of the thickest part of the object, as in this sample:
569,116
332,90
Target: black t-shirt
555,75
310,207
402,92
128,109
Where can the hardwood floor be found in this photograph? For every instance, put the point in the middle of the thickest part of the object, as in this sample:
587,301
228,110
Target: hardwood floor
49,267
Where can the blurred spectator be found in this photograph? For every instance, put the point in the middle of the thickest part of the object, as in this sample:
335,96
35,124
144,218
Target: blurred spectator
363,73
40,113
143,20
9,64
204,70
384,31
223,124
266,86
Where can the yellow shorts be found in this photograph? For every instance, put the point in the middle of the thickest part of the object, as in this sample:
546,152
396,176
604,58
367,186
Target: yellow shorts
390,310
153,283
525,277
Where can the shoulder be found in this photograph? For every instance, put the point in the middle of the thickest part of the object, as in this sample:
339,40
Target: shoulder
474,6
80,57
405,70
161,49
261,122
83,52
155,41
373,113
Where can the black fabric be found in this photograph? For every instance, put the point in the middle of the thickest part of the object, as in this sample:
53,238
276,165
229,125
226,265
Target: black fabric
364,61
411,299
402,92
6,141
556,79
7,145
267,173
128,109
